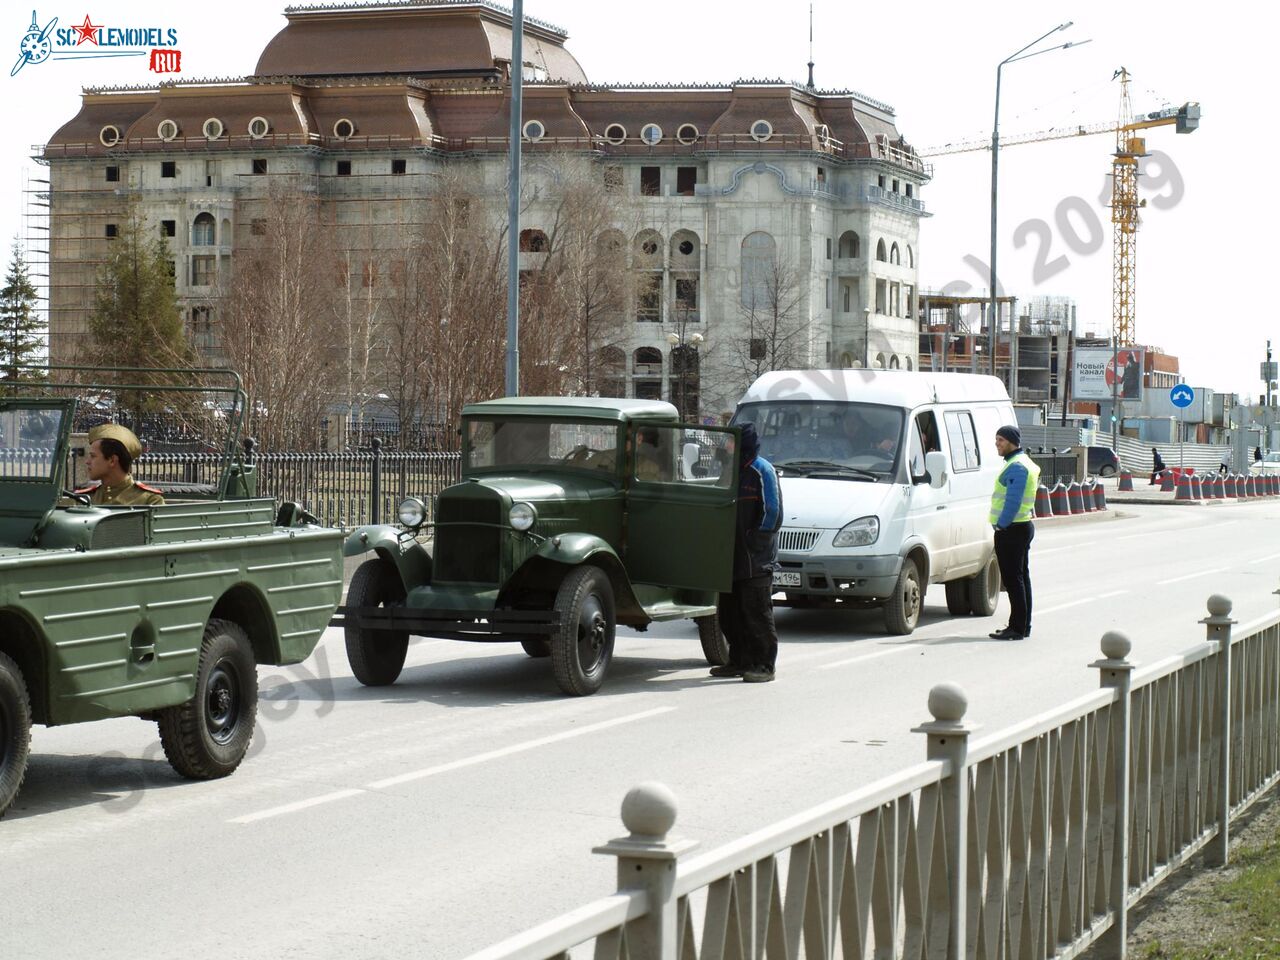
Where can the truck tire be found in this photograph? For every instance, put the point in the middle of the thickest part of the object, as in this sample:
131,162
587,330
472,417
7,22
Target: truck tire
958,602
538,649
715,646
582,646
902,610
984,589
207,737
376,656
15,731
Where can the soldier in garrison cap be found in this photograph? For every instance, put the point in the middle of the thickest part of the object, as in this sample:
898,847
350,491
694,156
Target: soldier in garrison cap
112,450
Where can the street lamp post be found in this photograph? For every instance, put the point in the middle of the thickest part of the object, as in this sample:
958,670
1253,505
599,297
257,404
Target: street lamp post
513,200
680,344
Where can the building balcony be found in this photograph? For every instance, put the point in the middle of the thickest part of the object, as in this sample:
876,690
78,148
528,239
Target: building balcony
895,201
850,266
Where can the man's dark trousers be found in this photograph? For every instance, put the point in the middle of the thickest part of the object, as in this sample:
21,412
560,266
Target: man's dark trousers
746,617
1013,550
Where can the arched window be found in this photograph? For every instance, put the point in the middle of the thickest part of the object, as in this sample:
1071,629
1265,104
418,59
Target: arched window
202,230
759,259
910,365
611,372
534,241
911,257
882,254
893,362
894,255
850,245
645,359
684,250
648,250
879,361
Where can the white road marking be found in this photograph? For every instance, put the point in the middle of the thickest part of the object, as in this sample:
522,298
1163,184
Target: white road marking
867,656
295,807
1036,611
1266,559
1190,576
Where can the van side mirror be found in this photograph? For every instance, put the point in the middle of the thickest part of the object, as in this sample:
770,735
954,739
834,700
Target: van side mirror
935,465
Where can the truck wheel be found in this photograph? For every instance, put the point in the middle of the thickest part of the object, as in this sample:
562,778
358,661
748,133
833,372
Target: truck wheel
15,731
958,603
902,610
984,589
536,648
582,645
376,656
715,647
206,737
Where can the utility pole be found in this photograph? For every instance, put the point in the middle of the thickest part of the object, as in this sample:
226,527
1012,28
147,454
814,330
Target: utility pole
513,199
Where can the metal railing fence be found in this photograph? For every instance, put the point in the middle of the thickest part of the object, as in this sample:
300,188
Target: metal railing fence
1033,842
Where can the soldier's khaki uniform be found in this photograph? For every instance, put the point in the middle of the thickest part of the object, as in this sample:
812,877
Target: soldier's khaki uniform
130,493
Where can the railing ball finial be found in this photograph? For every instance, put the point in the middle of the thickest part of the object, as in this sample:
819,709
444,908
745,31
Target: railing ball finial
948,703
1219,606
1116,645
649,810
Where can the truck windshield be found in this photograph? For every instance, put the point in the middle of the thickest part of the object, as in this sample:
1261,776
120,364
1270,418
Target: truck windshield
29,442
821,436
495,444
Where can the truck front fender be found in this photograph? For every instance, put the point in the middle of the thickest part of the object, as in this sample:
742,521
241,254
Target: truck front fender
556,554
410,558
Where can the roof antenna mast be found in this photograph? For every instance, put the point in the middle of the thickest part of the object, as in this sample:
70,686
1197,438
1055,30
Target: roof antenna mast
810,46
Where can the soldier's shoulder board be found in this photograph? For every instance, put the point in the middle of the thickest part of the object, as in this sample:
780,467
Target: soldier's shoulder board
149,489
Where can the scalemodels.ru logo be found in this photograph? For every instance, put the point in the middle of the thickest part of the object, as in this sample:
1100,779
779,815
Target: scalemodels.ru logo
90,40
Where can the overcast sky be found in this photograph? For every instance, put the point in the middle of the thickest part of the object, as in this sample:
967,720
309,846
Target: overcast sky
935,63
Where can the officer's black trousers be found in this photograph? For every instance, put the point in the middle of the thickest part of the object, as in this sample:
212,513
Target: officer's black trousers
1013,549
746,617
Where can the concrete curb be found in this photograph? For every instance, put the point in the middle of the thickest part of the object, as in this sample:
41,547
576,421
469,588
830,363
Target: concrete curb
1097,515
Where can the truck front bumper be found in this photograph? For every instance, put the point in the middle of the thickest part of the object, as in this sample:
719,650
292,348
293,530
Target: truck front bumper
451,624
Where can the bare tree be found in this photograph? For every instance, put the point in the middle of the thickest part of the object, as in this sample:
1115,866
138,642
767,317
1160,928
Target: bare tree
773,332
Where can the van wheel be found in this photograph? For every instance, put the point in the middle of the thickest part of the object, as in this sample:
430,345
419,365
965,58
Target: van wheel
207,737
376,656
958,603
538,649
15,731
902,610
582,646
984,589
715,647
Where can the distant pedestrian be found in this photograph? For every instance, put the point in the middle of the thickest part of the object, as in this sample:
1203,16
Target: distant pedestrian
1225,466
746,613
1257,454
1012,507
1157,466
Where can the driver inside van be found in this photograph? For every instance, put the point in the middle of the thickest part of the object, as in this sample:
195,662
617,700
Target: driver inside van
863,437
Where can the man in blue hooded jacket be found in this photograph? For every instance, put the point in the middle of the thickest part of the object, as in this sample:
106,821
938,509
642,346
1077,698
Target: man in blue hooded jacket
746,614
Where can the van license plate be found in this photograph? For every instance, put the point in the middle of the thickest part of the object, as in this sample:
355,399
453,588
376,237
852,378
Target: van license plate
785,578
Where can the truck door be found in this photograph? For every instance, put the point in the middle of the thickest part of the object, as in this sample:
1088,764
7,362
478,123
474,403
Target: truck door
682,488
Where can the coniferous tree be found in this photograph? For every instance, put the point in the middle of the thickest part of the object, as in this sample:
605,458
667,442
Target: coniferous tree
21,334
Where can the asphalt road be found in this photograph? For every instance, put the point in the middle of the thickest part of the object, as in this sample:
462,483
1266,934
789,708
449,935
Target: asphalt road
434,817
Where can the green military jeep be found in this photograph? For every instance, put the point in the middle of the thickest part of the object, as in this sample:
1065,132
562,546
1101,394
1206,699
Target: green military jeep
161,612
573,515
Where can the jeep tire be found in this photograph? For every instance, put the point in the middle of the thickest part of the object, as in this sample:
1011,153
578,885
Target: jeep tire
984,589
902,609
958,601
15,731
207,737
582,645
376,656
715,646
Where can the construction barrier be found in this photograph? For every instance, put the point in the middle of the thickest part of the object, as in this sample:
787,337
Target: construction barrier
1043,507
1197,488
1075,498
1099,495
1167,481
1183,488
1126,481
1059,501
1231,483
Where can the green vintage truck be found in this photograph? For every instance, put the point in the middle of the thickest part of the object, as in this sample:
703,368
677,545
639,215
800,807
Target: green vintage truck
160,612
573,515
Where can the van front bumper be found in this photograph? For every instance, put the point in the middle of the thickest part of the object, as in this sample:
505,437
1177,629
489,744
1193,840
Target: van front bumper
837,576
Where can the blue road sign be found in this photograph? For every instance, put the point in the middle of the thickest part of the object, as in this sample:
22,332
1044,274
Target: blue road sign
1182,396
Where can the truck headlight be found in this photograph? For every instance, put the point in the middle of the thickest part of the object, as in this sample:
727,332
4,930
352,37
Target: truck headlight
412,512
860,533
521,516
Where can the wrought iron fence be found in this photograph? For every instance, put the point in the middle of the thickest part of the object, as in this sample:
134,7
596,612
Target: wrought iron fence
1034,842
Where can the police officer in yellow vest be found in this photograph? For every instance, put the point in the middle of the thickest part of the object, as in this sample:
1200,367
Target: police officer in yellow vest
1012,508
112,450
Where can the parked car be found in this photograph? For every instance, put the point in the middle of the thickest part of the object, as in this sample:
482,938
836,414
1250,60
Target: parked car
886,482
1270,463
1101,461
573,515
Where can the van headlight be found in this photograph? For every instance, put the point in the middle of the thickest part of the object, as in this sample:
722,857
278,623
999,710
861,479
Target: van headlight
860,533
412,512
521,516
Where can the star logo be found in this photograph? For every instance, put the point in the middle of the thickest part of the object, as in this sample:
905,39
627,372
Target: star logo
88,31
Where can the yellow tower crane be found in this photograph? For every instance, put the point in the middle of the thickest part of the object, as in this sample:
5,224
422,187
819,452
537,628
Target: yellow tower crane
1125,203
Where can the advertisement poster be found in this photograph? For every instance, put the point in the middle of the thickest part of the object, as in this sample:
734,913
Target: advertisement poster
1096,374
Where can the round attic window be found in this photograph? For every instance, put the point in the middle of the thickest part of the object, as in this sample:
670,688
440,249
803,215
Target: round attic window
761,131
651,134
167,130
649,248
534,130
615,133
344,129
109,135
687,133
213,128
258,128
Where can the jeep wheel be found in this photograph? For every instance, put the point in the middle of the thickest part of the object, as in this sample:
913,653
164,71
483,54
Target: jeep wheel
376,656
958,603
536,648
902,610
715,647
984,589
15,731
582,645
207,737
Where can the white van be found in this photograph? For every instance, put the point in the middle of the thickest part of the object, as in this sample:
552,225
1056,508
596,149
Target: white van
886,481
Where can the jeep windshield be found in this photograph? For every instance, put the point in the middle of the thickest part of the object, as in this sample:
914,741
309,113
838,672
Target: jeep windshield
840,439
522,444
29,442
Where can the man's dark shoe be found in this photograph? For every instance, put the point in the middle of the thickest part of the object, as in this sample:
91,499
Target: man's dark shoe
1006,634
726,671
758,676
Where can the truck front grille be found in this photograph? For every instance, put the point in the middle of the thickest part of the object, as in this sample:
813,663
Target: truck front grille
466,551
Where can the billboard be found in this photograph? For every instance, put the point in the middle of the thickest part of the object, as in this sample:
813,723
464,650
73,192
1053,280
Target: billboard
1096,372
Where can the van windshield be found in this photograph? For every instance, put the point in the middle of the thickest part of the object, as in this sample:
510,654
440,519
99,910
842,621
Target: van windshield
817,436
